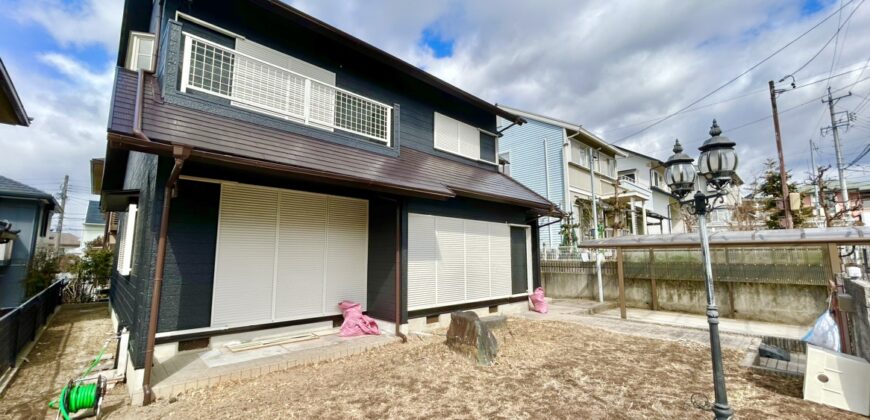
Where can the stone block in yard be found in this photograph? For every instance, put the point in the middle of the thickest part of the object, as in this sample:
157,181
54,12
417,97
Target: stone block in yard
469,335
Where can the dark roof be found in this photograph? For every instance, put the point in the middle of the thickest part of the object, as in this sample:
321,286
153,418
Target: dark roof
11,109
134,18
94,215
660,162
13,188
223,139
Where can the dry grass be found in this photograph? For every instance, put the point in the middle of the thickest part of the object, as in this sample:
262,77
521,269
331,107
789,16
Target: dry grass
74,336
544,369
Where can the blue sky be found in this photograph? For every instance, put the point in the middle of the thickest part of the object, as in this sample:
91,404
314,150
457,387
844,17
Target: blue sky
610,66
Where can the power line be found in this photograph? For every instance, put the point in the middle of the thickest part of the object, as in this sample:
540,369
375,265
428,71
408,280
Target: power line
681,110
825,45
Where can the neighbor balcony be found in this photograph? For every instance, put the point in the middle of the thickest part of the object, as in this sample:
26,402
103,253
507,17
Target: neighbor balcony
256,85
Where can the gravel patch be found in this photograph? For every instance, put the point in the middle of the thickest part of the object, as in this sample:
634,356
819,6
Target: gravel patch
545,369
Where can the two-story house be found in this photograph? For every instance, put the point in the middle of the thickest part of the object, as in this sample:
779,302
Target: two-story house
270,166
25,216
560,160
646,176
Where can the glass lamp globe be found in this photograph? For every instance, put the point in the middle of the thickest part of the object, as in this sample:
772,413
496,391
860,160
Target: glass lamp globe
718,160
680,173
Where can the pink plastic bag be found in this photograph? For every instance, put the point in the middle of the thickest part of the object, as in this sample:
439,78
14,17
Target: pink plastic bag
355,323
539,303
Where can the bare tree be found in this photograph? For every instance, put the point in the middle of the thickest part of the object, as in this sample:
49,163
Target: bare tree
833,215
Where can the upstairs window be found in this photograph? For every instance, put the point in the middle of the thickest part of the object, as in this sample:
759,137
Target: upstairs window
140,51
456,137
211,68
504,161
579,153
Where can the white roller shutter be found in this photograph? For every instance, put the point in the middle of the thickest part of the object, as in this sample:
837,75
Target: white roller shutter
454,261
422,261
346,256
301,250
285,255
469,141
245,260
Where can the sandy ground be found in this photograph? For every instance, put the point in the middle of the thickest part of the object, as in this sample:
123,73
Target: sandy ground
544,369
67,346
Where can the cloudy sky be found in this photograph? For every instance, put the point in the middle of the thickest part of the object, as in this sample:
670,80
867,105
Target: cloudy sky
615,67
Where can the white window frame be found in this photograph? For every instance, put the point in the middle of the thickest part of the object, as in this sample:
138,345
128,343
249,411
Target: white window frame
132,62
459,129
584,149
125,257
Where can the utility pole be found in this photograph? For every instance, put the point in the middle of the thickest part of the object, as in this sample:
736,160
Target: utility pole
815,173
595,225
786,205
63,195
835,124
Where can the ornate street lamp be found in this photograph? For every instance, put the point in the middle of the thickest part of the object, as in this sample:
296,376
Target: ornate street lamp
717,164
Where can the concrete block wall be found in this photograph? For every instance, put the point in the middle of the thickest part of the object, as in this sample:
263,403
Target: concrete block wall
781,303
860,319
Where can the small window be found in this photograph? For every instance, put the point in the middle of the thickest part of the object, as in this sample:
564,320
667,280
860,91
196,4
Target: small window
140,51
126,241
456,137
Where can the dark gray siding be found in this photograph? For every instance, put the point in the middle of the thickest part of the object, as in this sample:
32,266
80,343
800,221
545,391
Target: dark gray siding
185,299
382,259
353,72
487,148
131,295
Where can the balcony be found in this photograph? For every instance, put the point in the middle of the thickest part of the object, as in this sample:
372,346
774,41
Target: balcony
639,187
263,87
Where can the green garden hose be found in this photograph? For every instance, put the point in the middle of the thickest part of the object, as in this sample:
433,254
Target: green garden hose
77,396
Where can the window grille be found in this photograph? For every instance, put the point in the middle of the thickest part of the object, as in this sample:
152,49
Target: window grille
259,85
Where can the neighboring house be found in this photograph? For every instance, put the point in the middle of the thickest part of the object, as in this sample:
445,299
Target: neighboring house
11,109
26,214
646,176
95,223
69,243
109,232
859,199
291,166
553,158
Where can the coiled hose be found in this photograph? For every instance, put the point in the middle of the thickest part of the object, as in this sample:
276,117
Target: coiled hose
77,396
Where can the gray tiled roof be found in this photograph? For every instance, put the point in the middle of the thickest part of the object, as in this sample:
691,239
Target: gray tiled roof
11,187
94,215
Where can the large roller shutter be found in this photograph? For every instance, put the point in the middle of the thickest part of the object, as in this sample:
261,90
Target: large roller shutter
285,254
454,261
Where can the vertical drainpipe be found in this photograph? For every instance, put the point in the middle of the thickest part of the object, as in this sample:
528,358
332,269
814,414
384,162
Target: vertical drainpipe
567,204
547,186
181,154
399,272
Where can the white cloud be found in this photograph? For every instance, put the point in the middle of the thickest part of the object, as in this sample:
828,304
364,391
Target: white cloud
76,24
611,66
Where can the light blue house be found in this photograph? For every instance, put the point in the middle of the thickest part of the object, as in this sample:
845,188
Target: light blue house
553,158
25,214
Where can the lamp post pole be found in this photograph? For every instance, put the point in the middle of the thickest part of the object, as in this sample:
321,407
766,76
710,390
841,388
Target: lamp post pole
717,164
720,408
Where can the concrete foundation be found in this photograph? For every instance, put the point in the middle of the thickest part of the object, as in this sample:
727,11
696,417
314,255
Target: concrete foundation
860,319
780,303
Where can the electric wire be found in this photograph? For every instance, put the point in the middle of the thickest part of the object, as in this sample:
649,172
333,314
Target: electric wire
745,72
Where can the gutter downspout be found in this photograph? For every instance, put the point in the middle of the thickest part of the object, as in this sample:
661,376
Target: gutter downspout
399,273
181,154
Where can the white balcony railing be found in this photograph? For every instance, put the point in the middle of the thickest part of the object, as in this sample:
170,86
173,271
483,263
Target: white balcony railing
264,87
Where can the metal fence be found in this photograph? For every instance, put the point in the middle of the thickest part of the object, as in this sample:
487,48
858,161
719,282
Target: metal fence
805,266
18,327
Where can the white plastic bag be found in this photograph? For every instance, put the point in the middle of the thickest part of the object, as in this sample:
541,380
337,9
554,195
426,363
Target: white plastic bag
825,333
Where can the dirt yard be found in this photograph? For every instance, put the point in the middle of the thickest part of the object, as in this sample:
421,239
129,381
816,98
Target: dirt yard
545,369
72,339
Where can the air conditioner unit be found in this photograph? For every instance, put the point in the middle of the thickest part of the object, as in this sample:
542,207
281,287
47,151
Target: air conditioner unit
837,379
